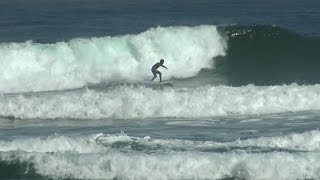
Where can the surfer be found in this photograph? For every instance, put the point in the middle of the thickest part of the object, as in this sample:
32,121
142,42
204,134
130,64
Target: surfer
155,71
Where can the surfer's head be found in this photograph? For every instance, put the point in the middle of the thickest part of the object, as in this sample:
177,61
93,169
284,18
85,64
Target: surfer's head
161,61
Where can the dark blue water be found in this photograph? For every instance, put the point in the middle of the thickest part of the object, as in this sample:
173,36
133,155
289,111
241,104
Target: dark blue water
58,20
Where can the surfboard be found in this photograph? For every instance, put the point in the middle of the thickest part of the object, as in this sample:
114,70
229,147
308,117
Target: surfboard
165,82
155,84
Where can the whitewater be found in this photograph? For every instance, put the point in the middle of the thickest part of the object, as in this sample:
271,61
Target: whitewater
129,102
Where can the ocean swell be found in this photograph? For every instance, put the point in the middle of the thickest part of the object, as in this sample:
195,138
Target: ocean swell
268,55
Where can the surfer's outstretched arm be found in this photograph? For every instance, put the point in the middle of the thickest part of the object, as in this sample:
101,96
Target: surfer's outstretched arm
164,66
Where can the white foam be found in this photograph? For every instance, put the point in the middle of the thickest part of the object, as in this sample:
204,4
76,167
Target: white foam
130,102
101,143
308,141
32,66
182,165
54,143
95,157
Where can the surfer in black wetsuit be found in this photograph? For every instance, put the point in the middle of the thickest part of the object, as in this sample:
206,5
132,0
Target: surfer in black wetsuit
155,71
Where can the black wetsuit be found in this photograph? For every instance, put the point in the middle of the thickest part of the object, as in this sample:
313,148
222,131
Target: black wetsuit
155,71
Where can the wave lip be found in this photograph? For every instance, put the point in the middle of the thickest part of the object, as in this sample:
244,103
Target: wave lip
33,66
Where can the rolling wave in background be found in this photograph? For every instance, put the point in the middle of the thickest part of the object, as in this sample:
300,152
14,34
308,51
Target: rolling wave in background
269,55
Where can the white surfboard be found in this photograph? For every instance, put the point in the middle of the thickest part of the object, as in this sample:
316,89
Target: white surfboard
165,82
157,84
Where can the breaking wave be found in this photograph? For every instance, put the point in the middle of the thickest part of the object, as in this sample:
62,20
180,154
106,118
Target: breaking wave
29,66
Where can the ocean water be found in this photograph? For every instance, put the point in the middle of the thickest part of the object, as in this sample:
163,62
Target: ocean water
76,101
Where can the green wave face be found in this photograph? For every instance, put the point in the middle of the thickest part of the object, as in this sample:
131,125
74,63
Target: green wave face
268,55
17,169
